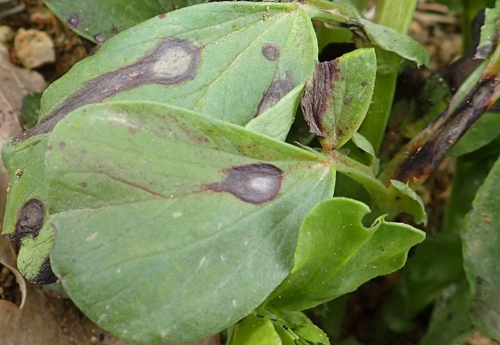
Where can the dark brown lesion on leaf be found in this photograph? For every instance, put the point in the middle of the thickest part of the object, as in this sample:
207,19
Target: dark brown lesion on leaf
276,91
172,62
30,220
271,51
317,97
252,183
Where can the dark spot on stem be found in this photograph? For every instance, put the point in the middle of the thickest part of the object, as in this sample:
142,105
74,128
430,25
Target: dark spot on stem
29,222
73,21
276,91
253,183
479,280
45,275
84,184
271,52
62,144
173,61
162,16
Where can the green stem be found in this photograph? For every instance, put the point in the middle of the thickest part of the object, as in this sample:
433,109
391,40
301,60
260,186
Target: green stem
397,15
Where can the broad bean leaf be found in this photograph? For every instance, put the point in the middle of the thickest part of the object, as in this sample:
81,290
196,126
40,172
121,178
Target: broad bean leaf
170,224
392,200
191,58
489,32
99,20
336,254
481,256
337,98
367,32
254,330
483,132
391,40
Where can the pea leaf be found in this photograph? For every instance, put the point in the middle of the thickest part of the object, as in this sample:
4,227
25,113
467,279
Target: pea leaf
338,96
481,241
164,216
193,59
336,254
99,20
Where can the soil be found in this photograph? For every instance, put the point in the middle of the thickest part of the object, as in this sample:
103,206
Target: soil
434,26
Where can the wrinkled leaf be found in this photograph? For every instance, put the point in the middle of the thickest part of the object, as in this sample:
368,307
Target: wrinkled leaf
99,20
490,32
164,216
481,255
337,98
336,253
190,58
254,330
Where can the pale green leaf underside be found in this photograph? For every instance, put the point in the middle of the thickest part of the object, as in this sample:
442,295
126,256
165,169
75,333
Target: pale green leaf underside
148,242
336,254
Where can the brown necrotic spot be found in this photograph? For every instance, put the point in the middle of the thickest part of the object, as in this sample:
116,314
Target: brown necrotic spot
271,51
253,183
173,61
276,91
73,21
29,222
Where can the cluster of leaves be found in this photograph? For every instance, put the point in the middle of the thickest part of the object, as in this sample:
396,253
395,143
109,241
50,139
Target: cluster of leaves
157,195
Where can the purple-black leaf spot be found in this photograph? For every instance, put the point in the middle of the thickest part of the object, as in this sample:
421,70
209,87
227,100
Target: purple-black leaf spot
253,183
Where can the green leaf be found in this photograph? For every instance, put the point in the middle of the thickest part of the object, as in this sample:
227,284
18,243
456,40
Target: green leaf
338,96
489,32
481,255
483,132
224,60
391,40
392,200
254,330
164,216
25,220
98,20
336,254
209,56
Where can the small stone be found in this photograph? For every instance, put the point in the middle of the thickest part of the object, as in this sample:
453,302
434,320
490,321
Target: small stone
34,48
6,34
